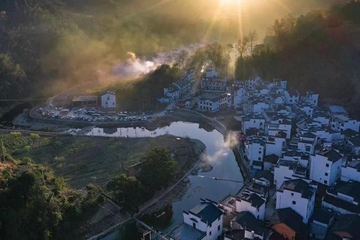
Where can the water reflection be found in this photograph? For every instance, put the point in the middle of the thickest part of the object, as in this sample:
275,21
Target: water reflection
222,160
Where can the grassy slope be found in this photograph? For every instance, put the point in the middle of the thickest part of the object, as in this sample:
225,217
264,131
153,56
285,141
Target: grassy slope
84,160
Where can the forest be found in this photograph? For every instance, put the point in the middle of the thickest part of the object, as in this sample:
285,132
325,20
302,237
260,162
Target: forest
49,45
317,51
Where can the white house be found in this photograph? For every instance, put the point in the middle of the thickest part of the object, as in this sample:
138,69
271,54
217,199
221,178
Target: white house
255,151
252,228
325,167
283,126
251,203
321,117
286,170
254,121
239,96
298,195
213,84
212,103
172,92
340,123
206,217
307,109
108,100
292,97
274,145
311,98
354,145
307,143
343,198
350,171
320,223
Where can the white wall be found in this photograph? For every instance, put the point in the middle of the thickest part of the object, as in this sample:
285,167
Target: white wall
253,123
242,205
212,232
349,174
332,170
303,206
255,152
260,106
275,147
108,100
282,173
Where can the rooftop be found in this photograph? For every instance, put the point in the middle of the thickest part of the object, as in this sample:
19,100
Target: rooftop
249,222
206,211
288,217
355,140
254,199
346,188
322,216
300,186
186,232
347,227
332,155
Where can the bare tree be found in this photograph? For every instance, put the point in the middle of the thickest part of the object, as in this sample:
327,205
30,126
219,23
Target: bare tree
253,37
242,45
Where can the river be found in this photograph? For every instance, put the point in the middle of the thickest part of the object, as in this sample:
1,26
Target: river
221,158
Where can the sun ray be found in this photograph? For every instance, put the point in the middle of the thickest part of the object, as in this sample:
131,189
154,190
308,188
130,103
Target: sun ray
210,27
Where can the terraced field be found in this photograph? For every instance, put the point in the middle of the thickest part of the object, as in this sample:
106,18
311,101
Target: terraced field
82,160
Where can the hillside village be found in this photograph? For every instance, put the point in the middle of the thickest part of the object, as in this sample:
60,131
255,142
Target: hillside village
303,156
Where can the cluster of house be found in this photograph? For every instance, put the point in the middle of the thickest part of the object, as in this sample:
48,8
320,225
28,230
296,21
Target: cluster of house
305,159
107,100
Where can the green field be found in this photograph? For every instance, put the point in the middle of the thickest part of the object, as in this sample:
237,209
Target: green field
82,160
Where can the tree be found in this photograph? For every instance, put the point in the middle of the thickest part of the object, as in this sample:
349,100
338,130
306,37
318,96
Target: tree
128,191
253,36
242,45
158,168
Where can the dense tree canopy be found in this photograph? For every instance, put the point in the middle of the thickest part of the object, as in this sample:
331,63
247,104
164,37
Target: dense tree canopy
317,51
128,191
158,168
36,205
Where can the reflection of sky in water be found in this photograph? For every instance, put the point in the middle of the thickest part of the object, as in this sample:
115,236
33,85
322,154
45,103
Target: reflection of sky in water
223,161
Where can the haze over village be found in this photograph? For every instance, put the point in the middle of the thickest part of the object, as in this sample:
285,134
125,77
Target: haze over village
180,120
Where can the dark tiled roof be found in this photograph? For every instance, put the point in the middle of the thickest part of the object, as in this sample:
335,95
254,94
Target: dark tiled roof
350,133
347,188
322,216
235,234
254,199
293,153
348,225
332,155
271,158
300,186
207,211
265,174
288,217
355,140
337,202
249,222
308,135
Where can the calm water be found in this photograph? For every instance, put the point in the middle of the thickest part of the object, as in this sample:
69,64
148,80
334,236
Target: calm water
221,158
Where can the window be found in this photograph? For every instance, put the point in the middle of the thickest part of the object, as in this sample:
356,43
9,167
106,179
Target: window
219,228
327,165
259,158
326,174
325,182
292,194
210,233
194,225
294,202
